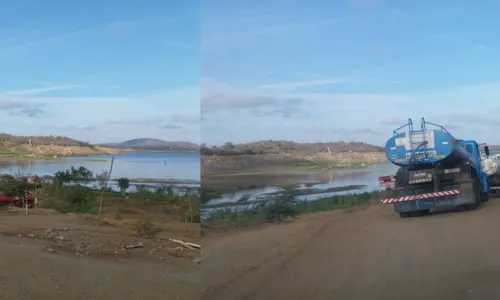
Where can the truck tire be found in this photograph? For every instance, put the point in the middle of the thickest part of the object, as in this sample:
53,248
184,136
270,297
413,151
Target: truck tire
485,197
405,214
470,191
477,192
424,212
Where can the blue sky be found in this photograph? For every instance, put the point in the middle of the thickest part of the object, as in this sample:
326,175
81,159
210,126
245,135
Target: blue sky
100,71
348,70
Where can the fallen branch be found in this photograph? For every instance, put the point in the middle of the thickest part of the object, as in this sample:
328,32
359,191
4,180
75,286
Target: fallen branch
138,245
188,245
156,249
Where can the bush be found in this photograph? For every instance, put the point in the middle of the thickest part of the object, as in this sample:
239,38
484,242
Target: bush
145,229
66,199
123,184
281,208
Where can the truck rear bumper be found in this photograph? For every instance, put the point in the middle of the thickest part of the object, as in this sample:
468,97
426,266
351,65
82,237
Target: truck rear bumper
428,201
431,204
421,196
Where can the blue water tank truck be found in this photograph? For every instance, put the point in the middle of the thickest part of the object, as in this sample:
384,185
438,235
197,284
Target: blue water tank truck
436,171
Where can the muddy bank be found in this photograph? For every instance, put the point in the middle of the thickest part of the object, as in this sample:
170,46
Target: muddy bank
161,181
221,184
314,191
229,188
286,162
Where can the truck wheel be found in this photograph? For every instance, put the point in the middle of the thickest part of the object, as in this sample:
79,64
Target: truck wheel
470,192
477,192
405,214
424,212
485,197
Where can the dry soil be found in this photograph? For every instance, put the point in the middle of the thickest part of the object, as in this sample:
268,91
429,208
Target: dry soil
47,255
365,254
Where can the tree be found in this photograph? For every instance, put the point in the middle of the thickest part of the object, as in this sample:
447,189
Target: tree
81,174
123,184
101,179
62,177
73,174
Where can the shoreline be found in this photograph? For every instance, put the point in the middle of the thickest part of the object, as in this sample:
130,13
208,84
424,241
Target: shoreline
216,185
31,156
297,192
165,181
138,181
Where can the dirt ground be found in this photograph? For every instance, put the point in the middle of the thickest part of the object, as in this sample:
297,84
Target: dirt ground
48,255
366,254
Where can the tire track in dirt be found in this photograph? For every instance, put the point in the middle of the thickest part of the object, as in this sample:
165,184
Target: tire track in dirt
271,264
371,254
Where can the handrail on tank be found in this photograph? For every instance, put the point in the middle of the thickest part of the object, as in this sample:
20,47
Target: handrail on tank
423,127
409,125
424,123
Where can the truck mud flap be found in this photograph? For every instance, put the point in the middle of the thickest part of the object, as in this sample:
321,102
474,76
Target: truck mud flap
420,196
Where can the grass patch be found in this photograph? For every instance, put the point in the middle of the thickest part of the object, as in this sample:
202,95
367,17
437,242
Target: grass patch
81,199
314,164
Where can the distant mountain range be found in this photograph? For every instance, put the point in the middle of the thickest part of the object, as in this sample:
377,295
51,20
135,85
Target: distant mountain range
154,145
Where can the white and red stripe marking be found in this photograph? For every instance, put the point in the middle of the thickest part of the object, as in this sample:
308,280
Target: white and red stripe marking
494,187
388,184
421,196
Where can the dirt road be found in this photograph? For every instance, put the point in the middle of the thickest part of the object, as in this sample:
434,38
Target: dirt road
55,256
366,254
29,273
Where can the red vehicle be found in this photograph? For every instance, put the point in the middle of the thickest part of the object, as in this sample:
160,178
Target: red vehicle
31,199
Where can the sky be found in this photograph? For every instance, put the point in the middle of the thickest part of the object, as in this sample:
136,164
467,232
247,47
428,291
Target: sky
100,71
352,70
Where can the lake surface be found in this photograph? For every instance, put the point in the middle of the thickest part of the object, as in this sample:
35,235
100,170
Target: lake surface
367,177
157,166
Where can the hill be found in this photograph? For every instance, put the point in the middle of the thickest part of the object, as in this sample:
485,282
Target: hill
275,147
39,146
150,144
287,156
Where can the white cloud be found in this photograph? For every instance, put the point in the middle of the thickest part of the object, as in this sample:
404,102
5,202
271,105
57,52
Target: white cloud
467,110
37,91
293,85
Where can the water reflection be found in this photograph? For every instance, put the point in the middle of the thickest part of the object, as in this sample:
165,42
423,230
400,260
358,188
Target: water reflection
182,166
365,177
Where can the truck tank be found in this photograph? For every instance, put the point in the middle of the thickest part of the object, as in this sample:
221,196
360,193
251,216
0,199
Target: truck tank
424,146
490,166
